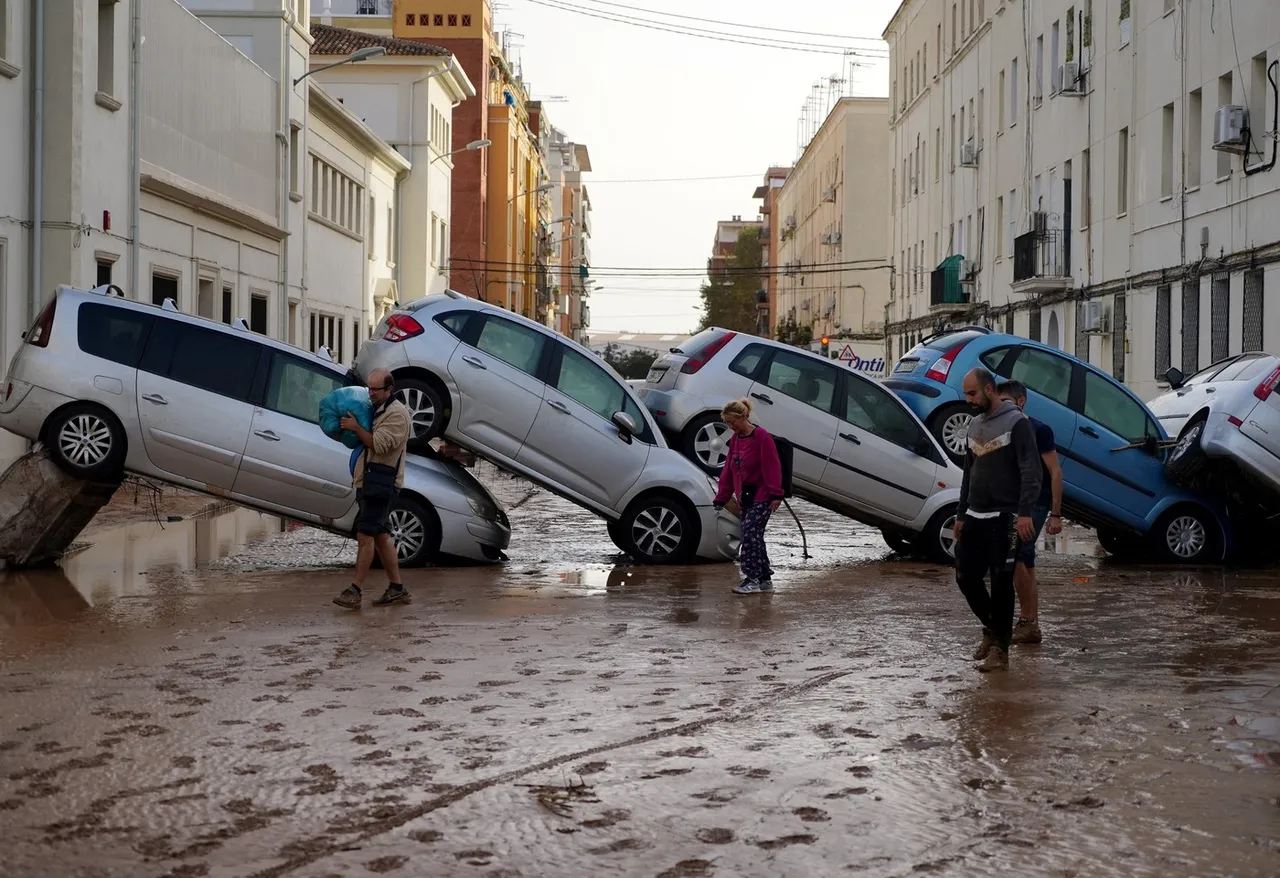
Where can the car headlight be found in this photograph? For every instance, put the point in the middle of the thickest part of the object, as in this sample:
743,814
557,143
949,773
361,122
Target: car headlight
482,507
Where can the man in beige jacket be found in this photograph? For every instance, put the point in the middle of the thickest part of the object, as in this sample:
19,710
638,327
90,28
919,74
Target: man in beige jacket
378,477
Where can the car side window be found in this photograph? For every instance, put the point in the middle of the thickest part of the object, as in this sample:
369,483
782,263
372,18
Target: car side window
1108,406
630,406
455,322
115,334
994,358
1046,374
295,387
583,381
748,361
1245,369
802,378
872,409
214,361
513,344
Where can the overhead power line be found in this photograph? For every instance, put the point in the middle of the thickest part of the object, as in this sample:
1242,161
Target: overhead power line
590,182
781,30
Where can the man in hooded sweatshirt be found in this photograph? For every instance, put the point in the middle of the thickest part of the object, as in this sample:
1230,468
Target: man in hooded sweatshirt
997,497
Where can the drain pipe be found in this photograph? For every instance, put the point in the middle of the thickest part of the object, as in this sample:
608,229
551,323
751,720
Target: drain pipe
135,149
282,189
1275,135
37,171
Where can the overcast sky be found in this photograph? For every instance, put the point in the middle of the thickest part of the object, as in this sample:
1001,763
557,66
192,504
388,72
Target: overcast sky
653,105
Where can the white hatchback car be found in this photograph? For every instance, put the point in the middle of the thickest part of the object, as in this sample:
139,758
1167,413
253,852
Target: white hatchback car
541,406
858,449
1227,412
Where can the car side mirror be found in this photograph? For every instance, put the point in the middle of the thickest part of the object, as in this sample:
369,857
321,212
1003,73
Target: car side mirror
1151,445
627,426
1175,377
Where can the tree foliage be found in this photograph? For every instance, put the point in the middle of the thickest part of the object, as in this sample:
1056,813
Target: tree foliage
792,333
634,363
731,302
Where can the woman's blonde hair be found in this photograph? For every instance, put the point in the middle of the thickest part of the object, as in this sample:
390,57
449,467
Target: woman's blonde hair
739,408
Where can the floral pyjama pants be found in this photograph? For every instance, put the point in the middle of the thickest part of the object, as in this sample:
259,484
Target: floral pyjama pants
753,557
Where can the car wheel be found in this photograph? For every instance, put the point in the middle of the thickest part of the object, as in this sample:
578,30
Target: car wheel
618,535
1186,535
415,530
951,428
937,541
426,407
1187,458
706,442
1117,542
659,529
87,441
898,542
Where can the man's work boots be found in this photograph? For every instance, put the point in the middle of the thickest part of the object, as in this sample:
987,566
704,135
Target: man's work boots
984,647
1027,631
996,660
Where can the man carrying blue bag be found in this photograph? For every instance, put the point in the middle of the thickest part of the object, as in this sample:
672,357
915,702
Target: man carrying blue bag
378,476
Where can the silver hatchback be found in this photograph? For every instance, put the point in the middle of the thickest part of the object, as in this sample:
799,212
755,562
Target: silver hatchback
111,385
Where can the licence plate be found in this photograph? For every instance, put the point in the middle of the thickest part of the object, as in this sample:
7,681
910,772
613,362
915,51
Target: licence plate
655,375
906,366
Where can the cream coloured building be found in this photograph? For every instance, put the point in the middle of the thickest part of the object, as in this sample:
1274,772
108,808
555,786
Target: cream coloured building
829,222
1054,174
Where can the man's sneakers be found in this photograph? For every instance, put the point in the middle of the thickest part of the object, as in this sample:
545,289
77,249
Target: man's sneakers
748,586
1027,631
984,648
351,597
997,660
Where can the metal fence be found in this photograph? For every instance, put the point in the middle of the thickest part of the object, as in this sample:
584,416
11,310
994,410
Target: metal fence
1220,318
1164,335
1038,254
1253,310
1190,327
1118,319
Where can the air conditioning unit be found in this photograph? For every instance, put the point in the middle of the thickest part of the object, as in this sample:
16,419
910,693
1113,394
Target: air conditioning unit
1097,317
969,154
835,238
1071,78
804,306
791,222
1039,221
826,239
829,194
968,270
1229,123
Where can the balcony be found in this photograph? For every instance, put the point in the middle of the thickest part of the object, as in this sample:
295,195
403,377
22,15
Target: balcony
946,291
1041,263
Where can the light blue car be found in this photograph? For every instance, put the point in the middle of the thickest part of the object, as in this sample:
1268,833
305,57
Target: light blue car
1109,443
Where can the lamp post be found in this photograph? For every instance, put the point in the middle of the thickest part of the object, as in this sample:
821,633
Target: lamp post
354,58
470,147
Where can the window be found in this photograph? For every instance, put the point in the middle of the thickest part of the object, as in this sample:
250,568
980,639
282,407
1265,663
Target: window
1000,118
876,411
1220,318
1086,26
978,130
954,41
585,382
994,358
938,48
1224,98
1039,68
107,47
1195,122
113,333
371,234
258,313
748,361
951,155
336,198
1164,332
1122,176
295,162
512,343
801,378
1055,47
103,276
1013,219
1250,369
1086,190
456,322
1252,340
4,27
295,387
1013,92
228,297
214,361
937,154
1190,326
442,258
1000,251
163,287
466,21
453,21
1166,152
1046,374
1109,406
1259,88
438,20
391,238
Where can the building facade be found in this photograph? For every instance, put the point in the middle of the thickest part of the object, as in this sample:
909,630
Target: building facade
570,229
1094,174
768,193
833,245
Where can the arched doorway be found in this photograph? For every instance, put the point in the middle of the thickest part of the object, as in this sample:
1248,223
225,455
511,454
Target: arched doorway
1054,337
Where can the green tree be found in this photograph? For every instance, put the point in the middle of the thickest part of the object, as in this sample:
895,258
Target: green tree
634,363
731,302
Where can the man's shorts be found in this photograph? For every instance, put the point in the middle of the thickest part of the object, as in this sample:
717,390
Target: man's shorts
373,514
1027,550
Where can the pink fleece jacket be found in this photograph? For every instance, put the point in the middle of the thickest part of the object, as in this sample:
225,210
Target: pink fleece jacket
752,463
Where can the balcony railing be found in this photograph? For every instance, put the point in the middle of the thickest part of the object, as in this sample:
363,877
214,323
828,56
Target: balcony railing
1040,261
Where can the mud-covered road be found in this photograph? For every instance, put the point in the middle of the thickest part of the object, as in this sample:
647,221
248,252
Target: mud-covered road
185,701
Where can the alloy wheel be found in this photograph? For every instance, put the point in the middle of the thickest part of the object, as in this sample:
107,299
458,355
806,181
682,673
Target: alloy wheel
711,444
85,440
1186,537
422,410
408,533
955,432
947,535
657,531
1189,439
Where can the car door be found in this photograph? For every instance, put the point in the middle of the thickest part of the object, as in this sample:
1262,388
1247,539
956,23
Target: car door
496,371
1125,483
194,409
289,463
794,399
876,462
574,441
1262,422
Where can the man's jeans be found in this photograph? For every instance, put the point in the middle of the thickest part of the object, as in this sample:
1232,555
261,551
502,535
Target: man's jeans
989,546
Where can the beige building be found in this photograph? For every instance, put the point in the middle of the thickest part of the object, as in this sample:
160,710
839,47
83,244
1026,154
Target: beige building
833,250
1093,174
570,239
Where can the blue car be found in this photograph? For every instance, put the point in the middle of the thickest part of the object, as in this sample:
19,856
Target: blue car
1109,443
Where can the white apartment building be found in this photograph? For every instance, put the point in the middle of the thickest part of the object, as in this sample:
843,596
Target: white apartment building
833,248
1065,170
571,238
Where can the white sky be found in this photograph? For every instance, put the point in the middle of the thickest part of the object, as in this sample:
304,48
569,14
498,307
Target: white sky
652,105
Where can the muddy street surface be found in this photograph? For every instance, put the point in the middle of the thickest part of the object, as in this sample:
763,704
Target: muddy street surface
183,700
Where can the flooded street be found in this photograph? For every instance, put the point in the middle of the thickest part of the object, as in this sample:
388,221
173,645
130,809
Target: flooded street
181,699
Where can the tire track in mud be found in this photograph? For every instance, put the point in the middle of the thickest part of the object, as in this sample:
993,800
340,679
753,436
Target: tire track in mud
324,849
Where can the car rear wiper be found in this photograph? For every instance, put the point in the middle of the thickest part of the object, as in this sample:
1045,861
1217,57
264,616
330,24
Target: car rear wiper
675,351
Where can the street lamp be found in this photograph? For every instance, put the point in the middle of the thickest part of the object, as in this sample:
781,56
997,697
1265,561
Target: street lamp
545,187
473,145
354,58
560,219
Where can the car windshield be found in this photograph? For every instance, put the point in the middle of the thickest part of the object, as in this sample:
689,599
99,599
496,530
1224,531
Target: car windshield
1208,372
950,340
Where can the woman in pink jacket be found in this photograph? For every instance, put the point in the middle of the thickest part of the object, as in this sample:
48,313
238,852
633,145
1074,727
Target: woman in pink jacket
753,474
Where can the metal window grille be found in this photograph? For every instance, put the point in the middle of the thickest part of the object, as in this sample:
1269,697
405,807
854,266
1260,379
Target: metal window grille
1253,310
1082,336
1033,332
1220,318
1190,326
1117,337
1008,322
1164,335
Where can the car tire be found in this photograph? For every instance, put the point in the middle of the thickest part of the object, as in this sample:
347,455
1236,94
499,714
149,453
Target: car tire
950,425
937,541
617,535
705,441
86,441
1121,545
1187,458
898,542
427,406
1186,535
415,530
658,529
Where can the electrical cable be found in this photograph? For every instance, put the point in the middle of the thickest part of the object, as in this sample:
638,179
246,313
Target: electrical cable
781,30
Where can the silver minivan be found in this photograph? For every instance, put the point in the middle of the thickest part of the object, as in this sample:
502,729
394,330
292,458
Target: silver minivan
111,385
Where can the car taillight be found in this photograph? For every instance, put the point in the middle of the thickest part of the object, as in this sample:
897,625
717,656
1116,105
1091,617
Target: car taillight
693,364
941,367
400,327
39,334
1234,421
1268,385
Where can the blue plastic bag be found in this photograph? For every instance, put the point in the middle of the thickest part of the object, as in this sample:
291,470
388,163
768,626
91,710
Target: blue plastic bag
355,455
334,406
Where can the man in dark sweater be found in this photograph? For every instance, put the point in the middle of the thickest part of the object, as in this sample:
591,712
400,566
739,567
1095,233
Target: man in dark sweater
997,497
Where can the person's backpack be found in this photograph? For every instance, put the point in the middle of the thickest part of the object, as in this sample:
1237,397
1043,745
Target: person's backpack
786,454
